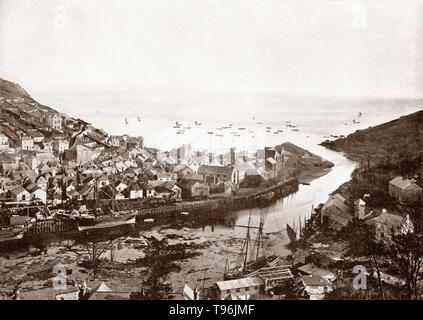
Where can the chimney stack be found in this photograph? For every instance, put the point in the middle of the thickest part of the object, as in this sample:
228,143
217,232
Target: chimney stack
232,156
221,159
210,157
360,209
178,155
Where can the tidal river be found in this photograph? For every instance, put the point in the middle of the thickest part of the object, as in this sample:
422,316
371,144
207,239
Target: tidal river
297,206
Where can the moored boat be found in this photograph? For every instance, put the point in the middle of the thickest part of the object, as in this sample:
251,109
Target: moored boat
292,235
12,234
90,222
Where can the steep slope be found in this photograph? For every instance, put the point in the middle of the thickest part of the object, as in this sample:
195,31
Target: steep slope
12,90
21,115
393,141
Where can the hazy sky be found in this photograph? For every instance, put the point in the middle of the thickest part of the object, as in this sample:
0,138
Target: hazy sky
336,47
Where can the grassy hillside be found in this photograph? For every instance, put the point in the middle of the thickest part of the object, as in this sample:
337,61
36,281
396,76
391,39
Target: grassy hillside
21,115
393,141
384,152
10,90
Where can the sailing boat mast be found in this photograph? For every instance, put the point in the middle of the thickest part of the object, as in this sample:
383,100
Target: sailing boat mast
113,194
259,235
247,240
95,198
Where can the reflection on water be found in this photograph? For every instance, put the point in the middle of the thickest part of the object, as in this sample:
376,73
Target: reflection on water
290,209
295,207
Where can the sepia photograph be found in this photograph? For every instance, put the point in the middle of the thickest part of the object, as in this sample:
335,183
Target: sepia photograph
183,150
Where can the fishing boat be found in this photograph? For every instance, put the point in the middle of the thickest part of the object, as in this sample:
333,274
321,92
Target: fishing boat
185,213
210,132
139,119
126,121
101,222
264,199
8,234
292,235
249,259
197,123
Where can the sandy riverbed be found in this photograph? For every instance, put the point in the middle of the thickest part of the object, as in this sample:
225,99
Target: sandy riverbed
213,249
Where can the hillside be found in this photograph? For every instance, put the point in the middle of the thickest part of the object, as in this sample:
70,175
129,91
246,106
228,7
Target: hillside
21,115
384,152
12,90
307,165
393,141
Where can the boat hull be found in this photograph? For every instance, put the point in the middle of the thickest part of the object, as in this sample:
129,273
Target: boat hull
108,224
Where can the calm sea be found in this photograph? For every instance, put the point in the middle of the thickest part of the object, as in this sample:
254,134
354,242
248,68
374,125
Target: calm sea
154,114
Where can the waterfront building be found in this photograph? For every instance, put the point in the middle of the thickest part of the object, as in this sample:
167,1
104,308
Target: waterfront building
194,189
214,174
316,287
404,190
335,212
20,194
239,289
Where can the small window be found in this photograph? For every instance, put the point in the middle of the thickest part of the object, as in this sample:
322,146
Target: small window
238,290
247,289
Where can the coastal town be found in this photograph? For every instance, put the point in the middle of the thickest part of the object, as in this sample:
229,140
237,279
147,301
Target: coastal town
61,177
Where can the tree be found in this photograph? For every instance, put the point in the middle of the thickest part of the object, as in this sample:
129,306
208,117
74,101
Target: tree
406,252
362,243
157,257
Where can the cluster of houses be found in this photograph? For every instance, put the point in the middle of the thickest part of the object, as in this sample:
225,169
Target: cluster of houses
53,158
114,173
336,213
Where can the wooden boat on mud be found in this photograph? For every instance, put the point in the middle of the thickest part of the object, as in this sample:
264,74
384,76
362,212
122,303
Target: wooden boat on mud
266,198
91,222
8,234
292,235
245,264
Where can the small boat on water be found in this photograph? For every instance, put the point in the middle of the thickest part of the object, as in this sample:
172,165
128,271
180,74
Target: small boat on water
185,213
90,222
